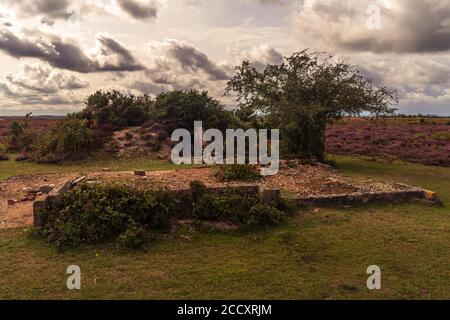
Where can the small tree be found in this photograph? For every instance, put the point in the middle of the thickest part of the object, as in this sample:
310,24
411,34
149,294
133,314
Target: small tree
302,94
21,136
16,136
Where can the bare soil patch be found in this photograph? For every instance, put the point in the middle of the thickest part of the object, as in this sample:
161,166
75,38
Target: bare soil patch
22,190
139,141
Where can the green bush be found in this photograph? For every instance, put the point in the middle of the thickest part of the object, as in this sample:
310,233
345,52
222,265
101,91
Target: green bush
234,207
21,137
116,109
90,214
265,215
243,172
421,136
197,190
70,139
133,237
441,136
181,108
231,207
2,148
97,213
16,136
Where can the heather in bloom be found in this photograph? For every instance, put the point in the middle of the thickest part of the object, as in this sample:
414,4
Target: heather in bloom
427,144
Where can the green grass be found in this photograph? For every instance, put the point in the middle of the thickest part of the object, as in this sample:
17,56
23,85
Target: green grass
427,177
316,255
12,168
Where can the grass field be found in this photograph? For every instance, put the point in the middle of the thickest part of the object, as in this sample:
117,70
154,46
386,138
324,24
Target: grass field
316,255
12,168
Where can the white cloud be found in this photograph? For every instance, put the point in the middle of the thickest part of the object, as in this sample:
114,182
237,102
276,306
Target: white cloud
39,84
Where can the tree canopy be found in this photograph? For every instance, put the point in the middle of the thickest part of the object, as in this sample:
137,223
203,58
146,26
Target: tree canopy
302,93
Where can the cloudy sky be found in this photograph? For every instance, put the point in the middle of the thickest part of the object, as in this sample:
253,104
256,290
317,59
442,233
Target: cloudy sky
54,53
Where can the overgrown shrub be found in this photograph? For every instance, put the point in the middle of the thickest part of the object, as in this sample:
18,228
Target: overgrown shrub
97,213
421,136
3,157
133,237
233,207
243,172
115,108
262,214
70,139
16,136
441,136
197,190
182,108
21,137
90,214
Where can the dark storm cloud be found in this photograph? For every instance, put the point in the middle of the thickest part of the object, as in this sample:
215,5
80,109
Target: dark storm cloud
420,26
125,59
54,51
55,9
138,10
51,8
64,55
62,9
191,58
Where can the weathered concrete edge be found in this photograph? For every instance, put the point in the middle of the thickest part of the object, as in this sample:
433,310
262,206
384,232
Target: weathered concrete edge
40,207
365,197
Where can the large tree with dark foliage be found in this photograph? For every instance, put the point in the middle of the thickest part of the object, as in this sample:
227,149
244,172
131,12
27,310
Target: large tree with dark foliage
302,94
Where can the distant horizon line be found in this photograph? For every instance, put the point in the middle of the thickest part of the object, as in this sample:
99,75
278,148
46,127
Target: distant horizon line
65,115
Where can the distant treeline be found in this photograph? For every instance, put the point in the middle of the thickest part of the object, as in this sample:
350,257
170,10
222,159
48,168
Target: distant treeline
401,115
